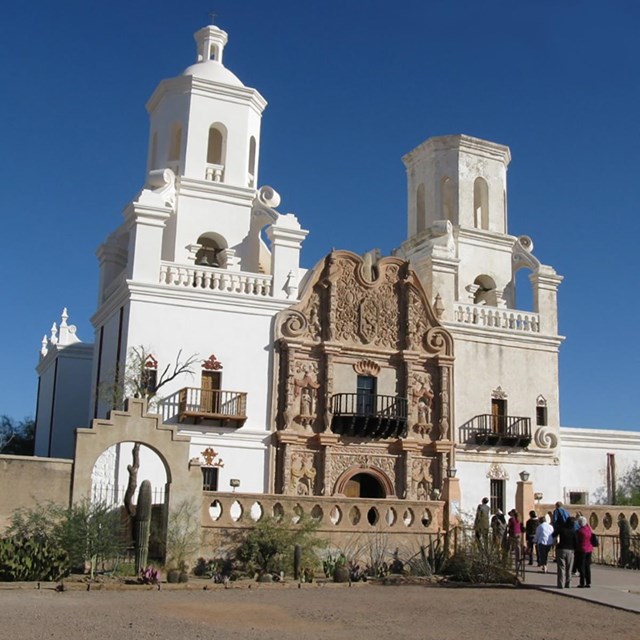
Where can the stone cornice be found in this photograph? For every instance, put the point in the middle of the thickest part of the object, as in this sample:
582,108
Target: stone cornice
215,191
503,338
77,351
484,238
599,438
201,86
461,142
209,300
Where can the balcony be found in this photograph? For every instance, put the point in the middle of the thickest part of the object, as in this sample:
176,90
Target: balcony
227,408
369,416
498,431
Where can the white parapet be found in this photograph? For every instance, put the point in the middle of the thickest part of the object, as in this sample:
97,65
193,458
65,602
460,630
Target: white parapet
492,317
215,279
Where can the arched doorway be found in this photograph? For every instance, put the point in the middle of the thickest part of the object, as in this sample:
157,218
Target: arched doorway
364,485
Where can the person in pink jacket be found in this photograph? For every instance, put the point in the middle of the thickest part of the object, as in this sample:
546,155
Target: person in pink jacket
583,552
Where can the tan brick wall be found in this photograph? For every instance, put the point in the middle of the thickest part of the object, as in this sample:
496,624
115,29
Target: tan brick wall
26,481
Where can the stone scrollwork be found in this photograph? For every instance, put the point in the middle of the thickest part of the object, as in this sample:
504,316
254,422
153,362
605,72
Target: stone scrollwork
522,256
163,188
497,472
438,341
367,368
339,463
545,438
269,197
294,325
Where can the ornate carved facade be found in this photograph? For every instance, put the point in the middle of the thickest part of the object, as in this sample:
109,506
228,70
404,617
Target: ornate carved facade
364,383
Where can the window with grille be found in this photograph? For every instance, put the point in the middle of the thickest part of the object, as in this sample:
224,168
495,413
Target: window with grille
209,478
497,495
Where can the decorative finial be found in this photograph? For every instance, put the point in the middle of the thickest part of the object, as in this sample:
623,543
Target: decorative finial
212,17
44,350
64,317
54,334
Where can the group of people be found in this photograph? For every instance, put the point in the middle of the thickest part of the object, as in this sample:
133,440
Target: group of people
572,537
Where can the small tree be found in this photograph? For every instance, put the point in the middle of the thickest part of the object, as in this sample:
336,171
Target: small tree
628,490
17,438
269,546
139,378
183,534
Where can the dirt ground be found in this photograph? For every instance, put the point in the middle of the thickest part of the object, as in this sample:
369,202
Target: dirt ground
333,612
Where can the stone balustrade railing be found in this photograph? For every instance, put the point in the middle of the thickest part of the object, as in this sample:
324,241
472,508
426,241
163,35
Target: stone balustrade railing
334,514
603,519
214,279
492,317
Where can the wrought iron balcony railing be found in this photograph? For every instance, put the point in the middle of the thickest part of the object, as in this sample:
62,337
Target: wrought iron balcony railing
227,407
497,431
369,416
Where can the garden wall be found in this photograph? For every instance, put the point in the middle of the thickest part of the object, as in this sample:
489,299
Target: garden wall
26,481
345,523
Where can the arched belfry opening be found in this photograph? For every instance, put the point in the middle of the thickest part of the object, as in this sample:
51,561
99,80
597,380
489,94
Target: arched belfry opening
210,252
481,204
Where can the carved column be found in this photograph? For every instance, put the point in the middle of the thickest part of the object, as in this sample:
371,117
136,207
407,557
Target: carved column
409,451
445,423
329,355
325,442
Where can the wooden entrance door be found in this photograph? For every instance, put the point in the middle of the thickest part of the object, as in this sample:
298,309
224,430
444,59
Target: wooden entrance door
498,415
210,386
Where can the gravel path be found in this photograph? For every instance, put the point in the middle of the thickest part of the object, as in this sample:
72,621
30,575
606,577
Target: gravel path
333,612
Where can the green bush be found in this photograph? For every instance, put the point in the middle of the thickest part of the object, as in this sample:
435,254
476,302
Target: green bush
471,563
269,546
89,533
28,559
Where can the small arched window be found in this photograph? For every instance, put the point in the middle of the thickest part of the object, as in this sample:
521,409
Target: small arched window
216,153
176,143
252,161
481,203
421,210
214,149
447,199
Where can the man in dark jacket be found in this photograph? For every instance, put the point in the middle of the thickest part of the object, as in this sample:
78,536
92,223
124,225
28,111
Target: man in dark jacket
565,551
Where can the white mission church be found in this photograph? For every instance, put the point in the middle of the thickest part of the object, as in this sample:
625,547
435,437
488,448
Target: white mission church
362,376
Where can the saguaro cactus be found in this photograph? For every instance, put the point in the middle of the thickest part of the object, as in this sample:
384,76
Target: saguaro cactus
297,561
142,524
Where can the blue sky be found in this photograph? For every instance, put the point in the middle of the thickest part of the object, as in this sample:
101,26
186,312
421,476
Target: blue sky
351,87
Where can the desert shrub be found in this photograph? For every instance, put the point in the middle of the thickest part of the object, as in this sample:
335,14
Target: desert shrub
183,534
269,546
89,533
31,558
474,564
430,557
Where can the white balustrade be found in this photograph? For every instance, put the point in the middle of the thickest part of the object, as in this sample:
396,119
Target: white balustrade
492,317
214,172
214,279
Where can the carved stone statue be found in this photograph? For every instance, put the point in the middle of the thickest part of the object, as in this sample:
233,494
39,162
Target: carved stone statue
421,479
422,396
303,474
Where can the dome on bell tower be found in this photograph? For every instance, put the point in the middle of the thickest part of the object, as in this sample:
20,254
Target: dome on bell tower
211,41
